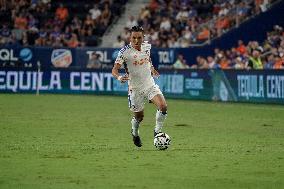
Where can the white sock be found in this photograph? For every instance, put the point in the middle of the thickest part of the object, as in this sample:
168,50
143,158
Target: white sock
160,118
135,126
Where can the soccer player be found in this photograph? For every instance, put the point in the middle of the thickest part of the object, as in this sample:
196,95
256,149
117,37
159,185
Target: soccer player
135,58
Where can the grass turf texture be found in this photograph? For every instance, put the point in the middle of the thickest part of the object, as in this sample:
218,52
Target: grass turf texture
62,141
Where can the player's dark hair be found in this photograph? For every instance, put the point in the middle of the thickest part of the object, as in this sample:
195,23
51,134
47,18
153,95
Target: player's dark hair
136,29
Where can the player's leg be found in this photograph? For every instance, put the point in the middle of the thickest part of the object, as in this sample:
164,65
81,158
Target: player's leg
160,102
161,113
158,99
135,122
136,105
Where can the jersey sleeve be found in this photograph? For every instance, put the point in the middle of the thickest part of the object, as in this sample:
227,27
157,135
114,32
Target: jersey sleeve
120,59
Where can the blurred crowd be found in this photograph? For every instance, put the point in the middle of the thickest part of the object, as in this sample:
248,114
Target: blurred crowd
79,23
56,23
253,55
167,23
181,23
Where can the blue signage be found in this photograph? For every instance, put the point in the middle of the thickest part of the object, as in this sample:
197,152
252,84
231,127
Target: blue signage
219,85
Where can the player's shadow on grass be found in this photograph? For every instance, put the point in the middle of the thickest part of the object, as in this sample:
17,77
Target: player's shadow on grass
182,125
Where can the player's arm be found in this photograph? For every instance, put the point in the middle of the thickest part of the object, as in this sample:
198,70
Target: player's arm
154,72
146,47
116,67
115,73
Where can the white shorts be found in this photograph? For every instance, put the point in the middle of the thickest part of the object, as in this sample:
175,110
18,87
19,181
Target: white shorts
136,99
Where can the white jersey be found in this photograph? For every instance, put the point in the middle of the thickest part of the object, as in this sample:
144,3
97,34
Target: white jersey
138,66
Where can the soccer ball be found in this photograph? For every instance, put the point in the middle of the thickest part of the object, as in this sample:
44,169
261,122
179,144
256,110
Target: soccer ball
162,141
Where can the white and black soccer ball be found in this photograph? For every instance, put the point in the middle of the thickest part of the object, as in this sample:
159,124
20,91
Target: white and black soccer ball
162,141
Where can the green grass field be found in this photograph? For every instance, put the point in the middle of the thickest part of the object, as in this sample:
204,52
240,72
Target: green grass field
63,141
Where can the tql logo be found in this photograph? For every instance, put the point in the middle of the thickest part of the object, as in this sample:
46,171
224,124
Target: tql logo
25,55
61,58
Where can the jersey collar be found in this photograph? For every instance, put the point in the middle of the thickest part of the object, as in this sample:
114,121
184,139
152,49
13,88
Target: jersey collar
134,48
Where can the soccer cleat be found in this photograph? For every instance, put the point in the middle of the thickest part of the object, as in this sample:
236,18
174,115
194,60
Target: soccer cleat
136,140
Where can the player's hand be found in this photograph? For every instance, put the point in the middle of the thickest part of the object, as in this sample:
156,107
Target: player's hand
155,73
123,79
